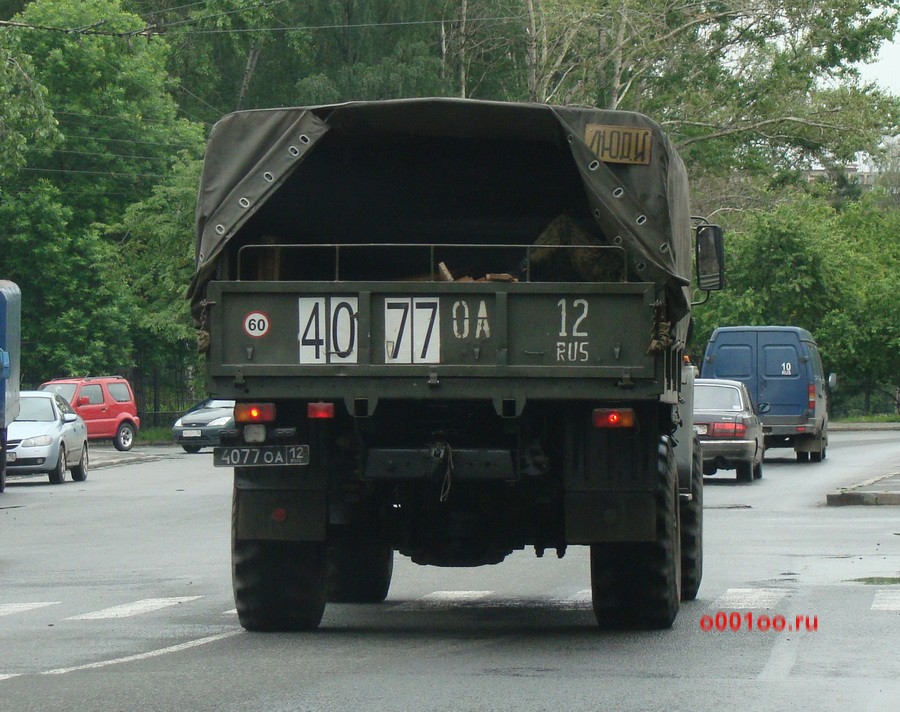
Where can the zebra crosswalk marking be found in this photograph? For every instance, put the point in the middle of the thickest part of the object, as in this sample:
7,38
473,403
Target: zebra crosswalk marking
750,598
126,610
886,599
7,609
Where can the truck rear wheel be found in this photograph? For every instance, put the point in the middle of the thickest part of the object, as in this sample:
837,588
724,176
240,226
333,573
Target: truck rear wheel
278,585
359,573
691,513
637,584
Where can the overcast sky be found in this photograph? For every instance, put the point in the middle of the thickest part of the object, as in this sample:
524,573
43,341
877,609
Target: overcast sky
886,71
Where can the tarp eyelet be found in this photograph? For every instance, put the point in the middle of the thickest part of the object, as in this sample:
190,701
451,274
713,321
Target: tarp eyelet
618,192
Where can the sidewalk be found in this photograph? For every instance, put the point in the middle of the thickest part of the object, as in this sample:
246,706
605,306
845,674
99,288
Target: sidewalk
884,489
103,454
879,490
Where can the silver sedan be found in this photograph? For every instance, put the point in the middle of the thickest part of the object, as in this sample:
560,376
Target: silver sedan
48,436
730,433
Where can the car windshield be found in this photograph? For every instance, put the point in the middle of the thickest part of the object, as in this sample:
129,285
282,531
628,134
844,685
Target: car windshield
717,398
36,410
219,404
66,390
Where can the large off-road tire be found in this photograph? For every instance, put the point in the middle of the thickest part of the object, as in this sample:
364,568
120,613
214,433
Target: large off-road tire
637,584
58,473
359,573
744,471
80,471
278,585
691,513
124,436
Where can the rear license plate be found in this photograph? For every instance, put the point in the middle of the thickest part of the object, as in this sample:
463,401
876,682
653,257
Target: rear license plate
10,457
260,456
191,434
700,428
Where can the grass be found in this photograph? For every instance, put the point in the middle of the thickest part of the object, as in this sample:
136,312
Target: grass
882,418
160,435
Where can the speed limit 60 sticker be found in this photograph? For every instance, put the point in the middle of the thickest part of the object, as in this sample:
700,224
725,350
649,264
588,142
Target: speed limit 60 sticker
256,324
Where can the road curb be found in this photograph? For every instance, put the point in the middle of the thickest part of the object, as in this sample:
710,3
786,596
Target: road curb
99,465
865,493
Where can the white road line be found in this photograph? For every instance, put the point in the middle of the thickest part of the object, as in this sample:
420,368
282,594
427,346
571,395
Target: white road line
461,597
144,656
781,659
127,610
8,677
232,612
577,601
887,599
442,599
752,598
10,608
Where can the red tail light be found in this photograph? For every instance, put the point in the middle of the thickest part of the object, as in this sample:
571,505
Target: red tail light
812,396
254,413
320,410
613,418
728,430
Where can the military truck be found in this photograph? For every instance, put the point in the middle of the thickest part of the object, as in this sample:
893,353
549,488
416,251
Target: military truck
453,329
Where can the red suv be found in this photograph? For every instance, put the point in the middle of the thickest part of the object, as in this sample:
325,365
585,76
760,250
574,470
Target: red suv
106,403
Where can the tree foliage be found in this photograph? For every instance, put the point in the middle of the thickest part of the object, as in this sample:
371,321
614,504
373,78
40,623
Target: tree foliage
76,310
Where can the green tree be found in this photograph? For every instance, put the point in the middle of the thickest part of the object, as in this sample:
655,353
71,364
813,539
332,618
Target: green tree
110,95
26,121
76,309
157,239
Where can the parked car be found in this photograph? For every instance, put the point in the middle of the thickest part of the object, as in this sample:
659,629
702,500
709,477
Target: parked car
106,403
729,430
47,436
201,425
782,369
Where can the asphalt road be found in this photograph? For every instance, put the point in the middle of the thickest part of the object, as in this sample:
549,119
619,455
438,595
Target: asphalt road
115,595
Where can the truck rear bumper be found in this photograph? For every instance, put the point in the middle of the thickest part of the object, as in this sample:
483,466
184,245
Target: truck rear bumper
406,464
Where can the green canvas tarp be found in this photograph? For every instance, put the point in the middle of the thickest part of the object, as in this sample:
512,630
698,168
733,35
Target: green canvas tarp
633,181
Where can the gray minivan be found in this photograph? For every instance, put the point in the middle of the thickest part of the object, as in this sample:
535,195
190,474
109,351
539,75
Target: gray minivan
782,370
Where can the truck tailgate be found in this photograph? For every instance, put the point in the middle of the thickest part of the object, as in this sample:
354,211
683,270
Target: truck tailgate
412,330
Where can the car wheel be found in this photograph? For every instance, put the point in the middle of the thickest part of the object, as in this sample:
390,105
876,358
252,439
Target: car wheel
58,473
757,471
191,448
802,457
124,437
745,471
80,471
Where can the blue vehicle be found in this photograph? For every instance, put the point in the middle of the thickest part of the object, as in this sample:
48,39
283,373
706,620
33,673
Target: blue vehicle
782,369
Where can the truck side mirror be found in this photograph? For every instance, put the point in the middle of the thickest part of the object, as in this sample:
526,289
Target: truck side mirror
710,258
832,381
